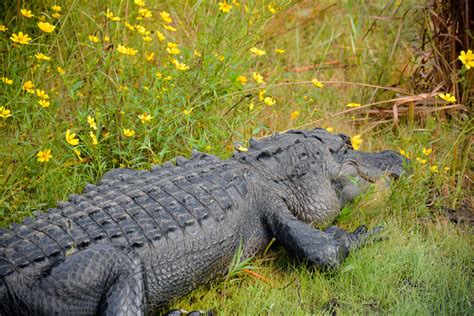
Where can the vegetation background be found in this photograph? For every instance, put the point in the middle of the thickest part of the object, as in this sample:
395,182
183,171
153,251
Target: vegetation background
96,85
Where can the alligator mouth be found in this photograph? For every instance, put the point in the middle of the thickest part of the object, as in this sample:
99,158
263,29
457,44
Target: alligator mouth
372,178
372,166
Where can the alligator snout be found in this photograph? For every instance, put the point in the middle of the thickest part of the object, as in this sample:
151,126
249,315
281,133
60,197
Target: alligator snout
372,166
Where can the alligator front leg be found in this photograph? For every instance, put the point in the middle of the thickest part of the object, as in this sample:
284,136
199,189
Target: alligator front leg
322,248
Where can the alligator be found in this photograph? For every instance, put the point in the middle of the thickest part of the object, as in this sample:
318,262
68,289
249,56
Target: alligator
141,238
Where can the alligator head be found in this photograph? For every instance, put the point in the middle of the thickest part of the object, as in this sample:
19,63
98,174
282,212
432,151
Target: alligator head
316,172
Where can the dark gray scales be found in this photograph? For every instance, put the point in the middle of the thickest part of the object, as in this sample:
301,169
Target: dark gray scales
138,239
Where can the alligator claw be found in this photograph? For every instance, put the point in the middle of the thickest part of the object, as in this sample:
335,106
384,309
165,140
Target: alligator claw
176,312
362,236
376,230
360,230
182,312
201,313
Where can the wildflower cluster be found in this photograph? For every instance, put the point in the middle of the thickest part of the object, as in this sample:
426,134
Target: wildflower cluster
137,85
423,159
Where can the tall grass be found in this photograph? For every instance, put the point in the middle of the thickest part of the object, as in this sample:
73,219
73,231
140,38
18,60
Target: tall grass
361,53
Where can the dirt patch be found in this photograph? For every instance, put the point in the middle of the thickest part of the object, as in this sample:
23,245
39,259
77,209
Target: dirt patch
463,215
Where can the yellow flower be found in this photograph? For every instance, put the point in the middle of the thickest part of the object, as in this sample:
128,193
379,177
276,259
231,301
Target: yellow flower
197,53
160,36
242,148
427,151
46,27
149,56
71,138
188,112
28,86
180,66
225,7
140,3
44,103
147,38
317,83
20,38
6,81
169,28
93,137
159,75
447,97
166,17
279,51
257,51
294,115
93,38
353,105
258,77
219,57
91,122
330,129
145,13
172,48
446,169
242,79
251,106
56,8
356,141
129,26
42,56
110,15
41,94
142,30
269,101
122,49
434,168
128,132
467,58
4,112
404,153
3,28
271,8
106,39
44,155
261,94
422,161
60,70
145,118
56,15
78,154
26,13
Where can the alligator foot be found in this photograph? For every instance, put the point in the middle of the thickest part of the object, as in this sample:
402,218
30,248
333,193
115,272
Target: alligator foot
359,237
326,249
182,312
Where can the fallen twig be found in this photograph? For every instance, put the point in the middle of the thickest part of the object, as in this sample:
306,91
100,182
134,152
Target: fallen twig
258,276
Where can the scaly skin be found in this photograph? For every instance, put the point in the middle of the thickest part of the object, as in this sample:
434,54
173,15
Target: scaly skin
142,238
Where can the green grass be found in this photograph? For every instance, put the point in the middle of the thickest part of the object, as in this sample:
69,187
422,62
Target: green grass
424,263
